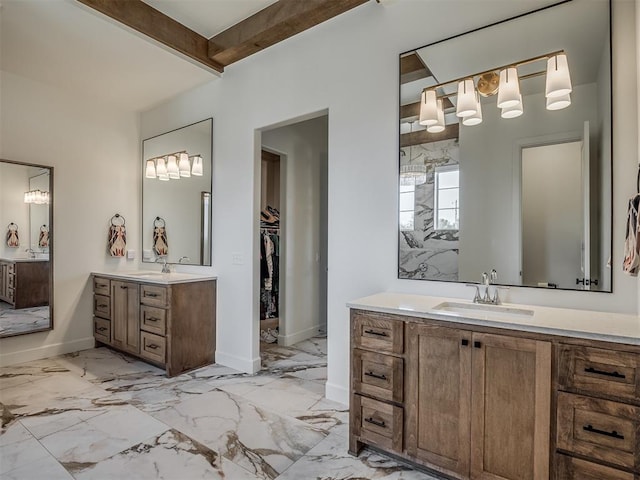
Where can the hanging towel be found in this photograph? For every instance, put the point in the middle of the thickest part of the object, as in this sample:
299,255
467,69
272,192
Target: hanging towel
43,240
117,243
13,240
631,262
160,243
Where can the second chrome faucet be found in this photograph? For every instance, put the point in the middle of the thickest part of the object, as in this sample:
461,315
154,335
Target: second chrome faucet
488,279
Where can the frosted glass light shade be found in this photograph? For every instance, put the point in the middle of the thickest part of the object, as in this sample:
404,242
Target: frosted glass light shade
413,175
184,166
513,111
466,99
558,103
428,108
150,171
558,81
196,169
439,126
476,118
161,169
509,88
172,167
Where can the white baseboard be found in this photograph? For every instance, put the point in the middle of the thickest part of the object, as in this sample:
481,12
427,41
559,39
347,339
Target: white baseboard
292,339
337,393
46,351
238,363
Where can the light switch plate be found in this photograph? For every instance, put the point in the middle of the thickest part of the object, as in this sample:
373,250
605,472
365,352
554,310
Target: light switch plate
237,258
131,254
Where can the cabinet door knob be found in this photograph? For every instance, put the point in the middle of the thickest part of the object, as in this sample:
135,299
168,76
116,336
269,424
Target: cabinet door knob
477,344
465,342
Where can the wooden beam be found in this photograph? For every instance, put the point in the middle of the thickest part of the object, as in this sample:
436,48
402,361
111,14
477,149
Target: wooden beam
273,24
412,68
154,24
422,136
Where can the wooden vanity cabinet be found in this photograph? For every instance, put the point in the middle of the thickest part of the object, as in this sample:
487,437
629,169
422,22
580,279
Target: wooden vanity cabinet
24,284
172,326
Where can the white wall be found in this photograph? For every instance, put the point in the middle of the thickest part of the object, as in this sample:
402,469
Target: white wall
304,149
14,181
95,152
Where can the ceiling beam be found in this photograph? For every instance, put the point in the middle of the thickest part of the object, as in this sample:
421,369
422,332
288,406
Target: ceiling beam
412,68
422,136
154,24
271,25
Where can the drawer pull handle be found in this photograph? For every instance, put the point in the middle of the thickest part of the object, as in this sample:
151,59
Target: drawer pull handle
614,434
151,295
379,423
153,346
376,375
602,372
102,329
101,285
373,332
124,287
102,305
153,319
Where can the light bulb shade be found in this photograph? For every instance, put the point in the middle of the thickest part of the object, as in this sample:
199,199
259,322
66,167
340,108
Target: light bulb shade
476,118
428,108
184,166
558,81
558,103
438,127
513,111
466,98
150,170
161,168
509,88
172,167
196,168
413,175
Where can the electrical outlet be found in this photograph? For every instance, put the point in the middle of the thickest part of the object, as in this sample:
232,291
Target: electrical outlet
237,258
131,254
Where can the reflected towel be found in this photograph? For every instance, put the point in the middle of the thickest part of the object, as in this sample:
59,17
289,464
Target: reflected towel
631,262
160,244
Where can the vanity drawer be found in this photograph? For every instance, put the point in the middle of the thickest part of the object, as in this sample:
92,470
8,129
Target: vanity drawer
600,372
378,423
102,329
153,319
102,306
11,281
153,295
378,375
599,429
570,468
101,286
153,347
378,332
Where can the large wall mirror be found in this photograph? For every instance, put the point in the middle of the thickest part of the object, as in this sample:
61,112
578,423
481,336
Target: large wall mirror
506,152
26,254
176,195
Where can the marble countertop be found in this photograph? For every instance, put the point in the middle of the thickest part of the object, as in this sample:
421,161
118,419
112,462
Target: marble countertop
610,327
4,259
149,276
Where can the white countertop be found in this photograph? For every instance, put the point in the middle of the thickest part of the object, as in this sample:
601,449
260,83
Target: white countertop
16,260
149,276
610,327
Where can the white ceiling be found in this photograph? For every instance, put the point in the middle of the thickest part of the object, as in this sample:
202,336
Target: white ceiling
69,46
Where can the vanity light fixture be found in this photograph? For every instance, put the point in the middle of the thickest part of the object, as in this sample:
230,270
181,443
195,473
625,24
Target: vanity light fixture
150,170
37,197
183,165
161,169
197,168
503,81
174,166
412,174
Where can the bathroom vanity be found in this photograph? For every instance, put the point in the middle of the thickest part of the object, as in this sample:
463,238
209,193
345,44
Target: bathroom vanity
165,319
496,392
24,283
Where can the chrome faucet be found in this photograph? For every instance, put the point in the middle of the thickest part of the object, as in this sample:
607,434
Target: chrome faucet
31,253
166,268
487,281
185,258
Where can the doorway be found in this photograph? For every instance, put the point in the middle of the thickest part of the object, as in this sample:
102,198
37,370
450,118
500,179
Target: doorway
293,231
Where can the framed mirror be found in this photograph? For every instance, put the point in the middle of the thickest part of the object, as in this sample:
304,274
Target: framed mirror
176,195
26,253
506,152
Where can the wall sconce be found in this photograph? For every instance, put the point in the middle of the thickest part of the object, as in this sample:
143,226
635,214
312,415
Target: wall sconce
503,81
37,197
174,166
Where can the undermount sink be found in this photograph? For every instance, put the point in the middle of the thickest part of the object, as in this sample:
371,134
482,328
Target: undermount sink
146,274
485,311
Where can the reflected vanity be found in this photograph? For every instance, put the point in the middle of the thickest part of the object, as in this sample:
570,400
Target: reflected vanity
26,277
527,192
176,196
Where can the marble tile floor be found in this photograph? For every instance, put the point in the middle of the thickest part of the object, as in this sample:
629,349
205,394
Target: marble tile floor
99,414
23,320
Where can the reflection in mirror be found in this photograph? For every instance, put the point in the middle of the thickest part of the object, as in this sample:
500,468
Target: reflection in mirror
505,152
176,195
26,280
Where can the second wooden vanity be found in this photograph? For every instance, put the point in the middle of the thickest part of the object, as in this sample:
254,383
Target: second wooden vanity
473,400
24,283
168,320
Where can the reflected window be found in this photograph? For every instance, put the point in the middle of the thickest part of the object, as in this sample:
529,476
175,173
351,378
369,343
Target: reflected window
447,198
407,206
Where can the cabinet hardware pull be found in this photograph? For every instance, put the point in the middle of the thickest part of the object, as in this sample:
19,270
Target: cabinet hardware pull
376,375
153,346
465,342
477,344
379,423
373,332
150,294
602,372
102,305
123,286
152,319
614,434
101,285
102,329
